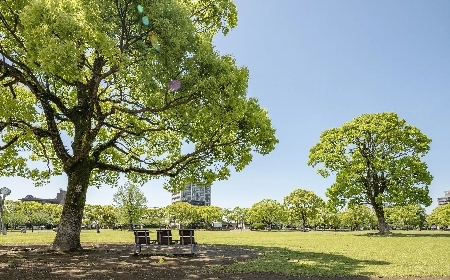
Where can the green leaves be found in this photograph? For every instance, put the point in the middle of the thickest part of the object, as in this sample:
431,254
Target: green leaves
87,83
376,159
212,16
131,202
32,213
404,215
209,214
440,216
181,213
267,212
302,206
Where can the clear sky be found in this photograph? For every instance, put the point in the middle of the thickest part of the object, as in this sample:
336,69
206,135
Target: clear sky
315,65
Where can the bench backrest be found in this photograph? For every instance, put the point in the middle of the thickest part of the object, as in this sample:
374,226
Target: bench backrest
186,236
164,236
141,236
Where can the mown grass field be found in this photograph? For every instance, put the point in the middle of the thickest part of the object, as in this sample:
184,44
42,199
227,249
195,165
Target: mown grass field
405,253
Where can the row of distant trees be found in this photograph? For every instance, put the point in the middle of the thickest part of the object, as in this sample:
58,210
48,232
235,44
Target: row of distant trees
301,209
31,214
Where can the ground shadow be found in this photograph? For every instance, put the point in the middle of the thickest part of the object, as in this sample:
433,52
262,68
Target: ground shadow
117,261
113,261
275,260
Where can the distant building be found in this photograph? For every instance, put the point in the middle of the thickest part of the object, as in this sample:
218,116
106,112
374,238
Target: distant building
194,195
60,198
444,200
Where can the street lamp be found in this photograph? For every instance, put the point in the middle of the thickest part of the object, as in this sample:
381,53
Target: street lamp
3,192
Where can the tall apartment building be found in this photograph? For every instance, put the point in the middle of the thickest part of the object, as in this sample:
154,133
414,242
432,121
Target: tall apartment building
194,195
444,200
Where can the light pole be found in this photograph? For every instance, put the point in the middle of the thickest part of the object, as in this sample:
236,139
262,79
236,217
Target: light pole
3,192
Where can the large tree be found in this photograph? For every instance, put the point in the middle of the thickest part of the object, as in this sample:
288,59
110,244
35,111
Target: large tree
241,215
302,205
376,159
180,213
131,204
154,216
107,215
210,214
267,212
99,88
237,215
440,216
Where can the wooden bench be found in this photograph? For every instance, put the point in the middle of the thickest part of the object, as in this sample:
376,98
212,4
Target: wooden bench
187,239
142,238
164,239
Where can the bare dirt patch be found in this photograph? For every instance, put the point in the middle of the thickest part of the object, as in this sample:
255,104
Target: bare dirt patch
117,261
114,261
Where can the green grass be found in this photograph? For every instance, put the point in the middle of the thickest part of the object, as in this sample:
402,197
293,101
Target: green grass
410,253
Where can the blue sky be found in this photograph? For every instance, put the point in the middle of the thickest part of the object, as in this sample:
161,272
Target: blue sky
315,65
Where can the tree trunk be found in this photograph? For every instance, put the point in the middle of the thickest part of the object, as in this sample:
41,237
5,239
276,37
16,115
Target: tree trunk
379,212
69,228
304,222
130,225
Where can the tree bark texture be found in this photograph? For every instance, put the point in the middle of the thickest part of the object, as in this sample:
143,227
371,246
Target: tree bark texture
68,233
379,212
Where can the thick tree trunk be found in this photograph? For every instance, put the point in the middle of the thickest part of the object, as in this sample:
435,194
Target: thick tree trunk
379,212
69,228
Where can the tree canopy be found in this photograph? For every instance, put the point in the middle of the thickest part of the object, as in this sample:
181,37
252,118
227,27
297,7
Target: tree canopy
267,212
131,202
180,213
358,216
377,158
406,215
101,89
440,216
302,205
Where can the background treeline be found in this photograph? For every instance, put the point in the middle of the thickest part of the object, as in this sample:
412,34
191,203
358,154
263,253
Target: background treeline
300,210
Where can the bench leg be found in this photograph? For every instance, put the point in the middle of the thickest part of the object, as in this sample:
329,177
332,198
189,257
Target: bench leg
136,246
194,249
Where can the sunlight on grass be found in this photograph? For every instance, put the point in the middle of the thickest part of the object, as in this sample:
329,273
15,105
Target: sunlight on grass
410,253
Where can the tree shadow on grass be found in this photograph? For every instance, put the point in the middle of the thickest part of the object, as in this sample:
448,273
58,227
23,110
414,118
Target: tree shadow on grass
113,261
283,261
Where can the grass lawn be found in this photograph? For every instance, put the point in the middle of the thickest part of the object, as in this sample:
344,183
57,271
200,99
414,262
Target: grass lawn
406,253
